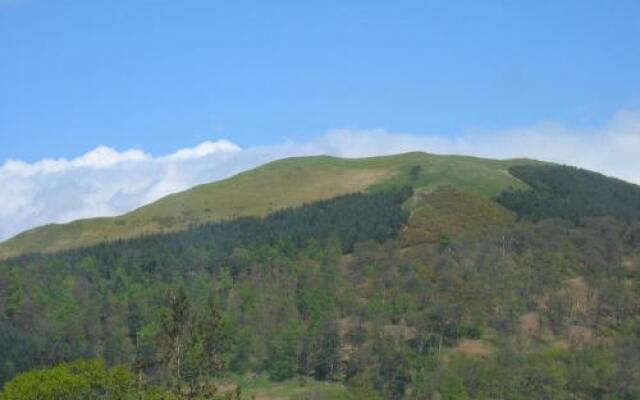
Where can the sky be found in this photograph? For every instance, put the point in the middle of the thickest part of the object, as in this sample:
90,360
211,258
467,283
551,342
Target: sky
108,105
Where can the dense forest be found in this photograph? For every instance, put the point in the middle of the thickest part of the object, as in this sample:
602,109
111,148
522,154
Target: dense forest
393,294
570,192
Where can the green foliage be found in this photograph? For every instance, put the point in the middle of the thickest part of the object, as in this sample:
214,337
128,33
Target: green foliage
282,361
79,380
91,380
415,171
261,387
191,344
452,388
118,320
330,300
568,192
325,358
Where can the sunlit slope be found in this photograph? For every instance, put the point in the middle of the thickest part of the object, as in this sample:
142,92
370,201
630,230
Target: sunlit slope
276,185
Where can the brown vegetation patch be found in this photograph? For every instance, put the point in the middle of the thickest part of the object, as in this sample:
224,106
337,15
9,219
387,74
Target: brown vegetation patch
530,323
579,294
578,287
630,264
402,332
473,348
448,213
580,335
346,325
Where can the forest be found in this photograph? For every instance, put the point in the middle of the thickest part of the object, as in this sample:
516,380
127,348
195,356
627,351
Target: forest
570,192
391,294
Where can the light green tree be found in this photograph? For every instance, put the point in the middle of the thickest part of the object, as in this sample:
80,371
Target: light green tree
79,380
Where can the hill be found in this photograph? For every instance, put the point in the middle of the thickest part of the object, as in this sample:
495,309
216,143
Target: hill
424,284
277,185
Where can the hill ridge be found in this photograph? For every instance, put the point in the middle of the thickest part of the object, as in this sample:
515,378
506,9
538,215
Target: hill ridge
272,186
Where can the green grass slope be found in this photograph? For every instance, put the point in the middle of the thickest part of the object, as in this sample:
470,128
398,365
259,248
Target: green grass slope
276,185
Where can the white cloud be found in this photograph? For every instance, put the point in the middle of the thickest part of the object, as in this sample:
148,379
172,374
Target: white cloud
613,150
203,149
106,182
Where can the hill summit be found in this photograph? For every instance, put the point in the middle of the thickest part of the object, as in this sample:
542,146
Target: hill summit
276,185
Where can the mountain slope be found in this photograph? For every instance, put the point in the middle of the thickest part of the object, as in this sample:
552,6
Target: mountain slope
274,186
453,289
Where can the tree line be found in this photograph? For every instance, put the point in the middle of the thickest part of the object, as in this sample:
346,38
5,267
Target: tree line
544,309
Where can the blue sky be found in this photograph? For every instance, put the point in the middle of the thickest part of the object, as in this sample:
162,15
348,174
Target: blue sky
159,75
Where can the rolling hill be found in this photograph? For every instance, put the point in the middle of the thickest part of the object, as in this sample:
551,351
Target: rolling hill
404,277
280,184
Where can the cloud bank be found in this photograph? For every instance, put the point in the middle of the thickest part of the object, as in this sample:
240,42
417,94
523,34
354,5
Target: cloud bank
107,182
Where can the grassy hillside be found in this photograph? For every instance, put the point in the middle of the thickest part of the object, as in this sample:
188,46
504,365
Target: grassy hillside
276,185
343,298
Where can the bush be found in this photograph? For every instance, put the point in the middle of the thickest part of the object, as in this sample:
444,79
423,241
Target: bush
81,380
